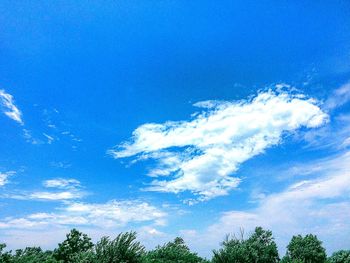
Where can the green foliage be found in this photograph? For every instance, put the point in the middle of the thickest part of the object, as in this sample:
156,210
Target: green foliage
176,251
123,249
27,255
5,257
262,247
306,249
33,255
341,256
287,259
74,248
258,248
233,250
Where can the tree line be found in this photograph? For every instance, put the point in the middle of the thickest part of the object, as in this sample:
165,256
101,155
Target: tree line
259,247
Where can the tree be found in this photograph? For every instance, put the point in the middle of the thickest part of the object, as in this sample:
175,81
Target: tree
72,250
5,257
33,255
123,249
260,247
175,251
306,249
341,256
233,250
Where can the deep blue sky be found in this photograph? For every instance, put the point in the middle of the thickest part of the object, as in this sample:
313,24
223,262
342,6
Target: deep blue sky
84,75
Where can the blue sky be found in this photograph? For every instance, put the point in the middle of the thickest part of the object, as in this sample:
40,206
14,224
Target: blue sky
174,118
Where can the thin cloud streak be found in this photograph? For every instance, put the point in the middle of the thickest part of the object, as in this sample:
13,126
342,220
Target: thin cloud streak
4,177
61,190
339,97
62,183
9,107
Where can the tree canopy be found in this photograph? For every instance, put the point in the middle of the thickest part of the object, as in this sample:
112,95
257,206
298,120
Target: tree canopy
71,249
259,247
341,256
175,251
124,248
306,249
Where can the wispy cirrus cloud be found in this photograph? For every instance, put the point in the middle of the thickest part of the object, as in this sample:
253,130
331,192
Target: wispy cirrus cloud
60,190
339,97
49,138
319,205
54,196
27,135
201,155
98,219
9,108
105,215
62,183
4,177
62,165
335,135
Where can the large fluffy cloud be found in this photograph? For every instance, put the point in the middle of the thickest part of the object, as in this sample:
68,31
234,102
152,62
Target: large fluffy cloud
201,155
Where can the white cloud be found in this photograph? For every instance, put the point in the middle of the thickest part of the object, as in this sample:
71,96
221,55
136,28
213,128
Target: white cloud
62,183
4,177
22,238
63,189
9,107
49,237
95,219
55,196
339,97
29,138
63,165
46,195
334,136
49,138
320,206
106,215
201,155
